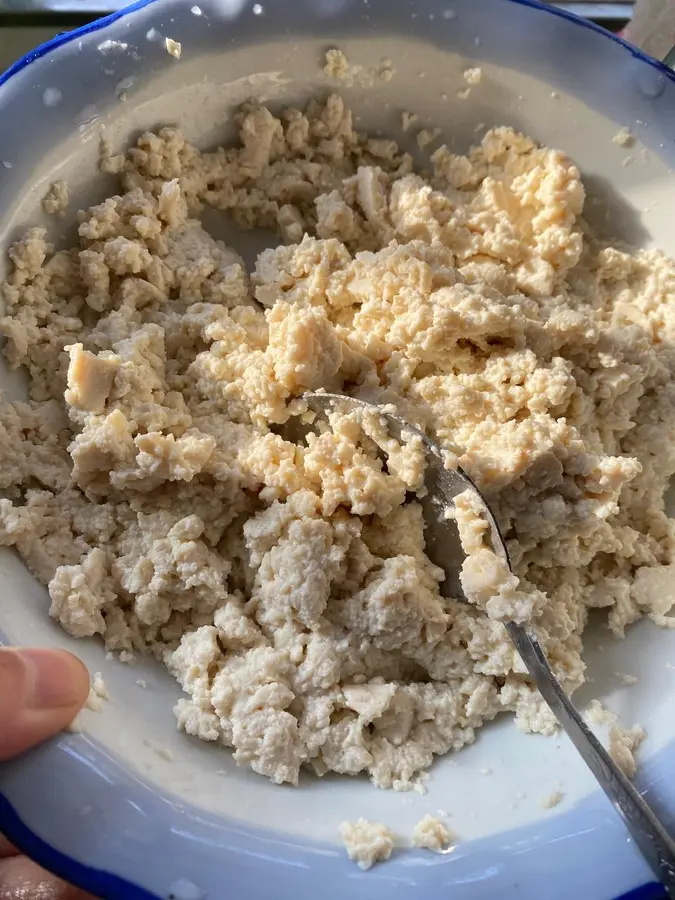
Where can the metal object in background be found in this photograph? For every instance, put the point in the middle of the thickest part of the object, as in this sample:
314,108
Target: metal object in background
602,11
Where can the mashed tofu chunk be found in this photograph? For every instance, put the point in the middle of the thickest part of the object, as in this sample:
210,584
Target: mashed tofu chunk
56,198
431,834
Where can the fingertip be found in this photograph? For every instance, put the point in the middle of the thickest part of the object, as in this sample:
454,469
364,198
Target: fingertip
81,679
41,692
56,679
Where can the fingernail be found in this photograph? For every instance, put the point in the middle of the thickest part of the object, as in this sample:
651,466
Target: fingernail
53,679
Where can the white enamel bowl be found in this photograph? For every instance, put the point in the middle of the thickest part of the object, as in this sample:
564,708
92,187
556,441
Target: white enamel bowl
104,808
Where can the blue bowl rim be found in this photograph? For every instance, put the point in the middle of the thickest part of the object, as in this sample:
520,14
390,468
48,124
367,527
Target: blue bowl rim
104,884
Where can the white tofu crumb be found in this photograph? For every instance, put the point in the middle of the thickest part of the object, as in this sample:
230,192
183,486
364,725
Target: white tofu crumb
551,800
174,48
142,683
94,702
473,76
99,687
367,842
670,666
464,94
56,199
431,834
626,679
486,771
427,136
624,138
419,784
338,68
165,753
98,694
385,71
555,95
622,742
112,47
75,726
407,119
598,715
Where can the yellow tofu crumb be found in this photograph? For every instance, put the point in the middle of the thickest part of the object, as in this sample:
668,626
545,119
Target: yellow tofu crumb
367,842
624,138
473,76
174,48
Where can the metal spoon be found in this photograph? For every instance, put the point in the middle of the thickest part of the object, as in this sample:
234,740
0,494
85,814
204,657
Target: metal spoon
445,551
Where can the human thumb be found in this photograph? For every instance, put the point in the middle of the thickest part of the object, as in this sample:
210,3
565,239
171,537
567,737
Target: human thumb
41,691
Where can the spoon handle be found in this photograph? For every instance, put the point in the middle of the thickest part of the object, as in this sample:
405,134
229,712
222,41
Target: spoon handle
657,847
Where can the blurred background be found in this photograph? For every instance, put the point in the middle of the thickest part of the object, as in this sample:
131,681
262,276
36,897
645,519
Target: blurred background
26,23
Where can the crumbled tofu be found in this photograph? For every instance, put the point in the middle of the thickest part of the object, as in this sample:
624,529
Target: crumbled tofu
473,76
98,693
653,590
337,65
338,68
56,198
419,784
622,742
464,93
407,119
150,481
385,71
624,138
427,136
142,683
367,842
174,48
165,753
99,687
626,679
112,47
162,752
552,800
431,834
598,715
